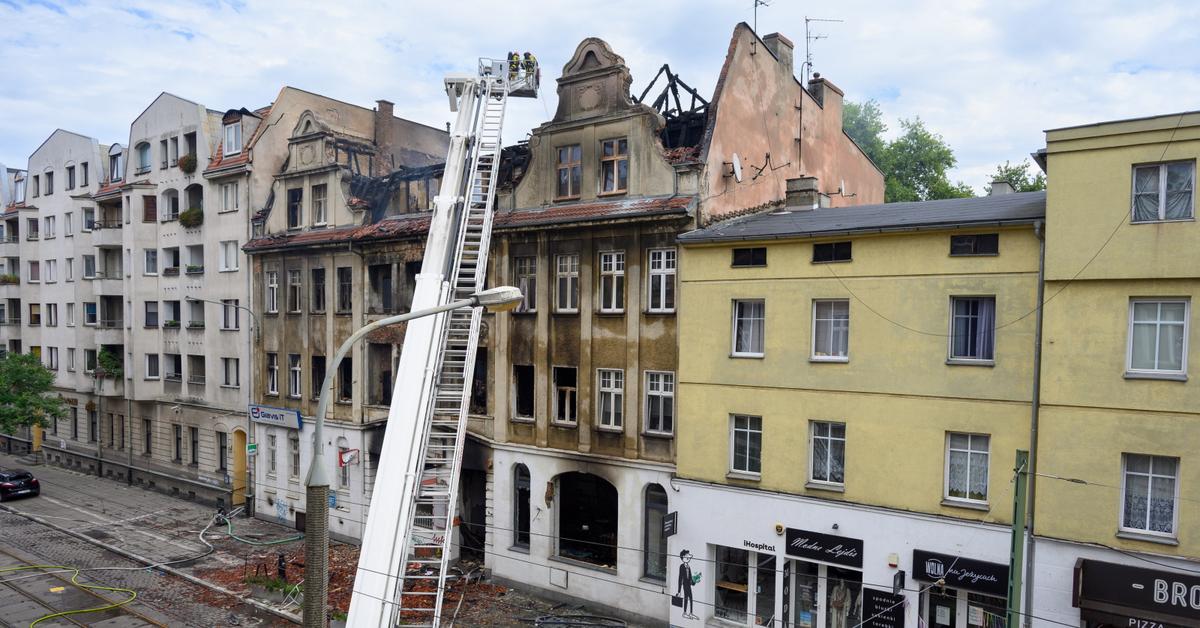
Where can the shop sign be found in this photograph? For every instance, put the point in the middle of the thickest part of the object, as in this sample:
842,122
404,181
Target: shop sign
881,609
961,573
671,523
839,550
1154,596
280,417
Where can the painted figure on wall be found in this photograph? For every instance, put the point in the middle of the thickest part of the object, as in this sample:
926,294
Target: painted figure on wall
683,593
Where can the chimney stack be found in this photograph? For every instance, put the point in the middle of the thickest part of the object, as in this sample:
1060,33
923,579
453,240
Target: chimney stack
782,48
1000,186
801,194
384,136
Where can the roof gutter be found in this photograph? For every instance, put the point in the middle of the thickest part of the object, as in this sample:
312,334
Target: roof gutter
875,230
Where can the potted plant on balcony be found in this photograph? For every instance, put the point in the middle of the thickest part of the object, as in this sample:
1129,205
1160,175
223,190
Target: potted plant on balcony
9,279
192,218
170,271
108,364
195,269
187,163
195,324
171,324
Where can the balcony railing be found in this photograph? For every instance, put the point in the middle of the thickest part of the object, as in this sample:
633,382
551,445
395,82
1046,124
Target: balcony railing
173,377
196,379
32,237
171,324
10,322
171,271
107,224
112,323
195,269
142,169
9,239
195,324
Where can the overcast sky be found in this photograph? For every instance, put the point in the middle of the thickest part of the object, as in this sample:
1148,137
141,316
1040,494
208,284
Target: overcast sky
988,76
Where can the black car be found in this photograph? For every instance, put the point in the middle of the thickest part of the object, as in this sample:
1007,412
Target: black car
18,483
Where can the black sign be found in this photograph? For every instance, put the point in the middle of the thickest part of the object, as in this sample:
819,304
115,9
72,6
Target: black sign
961,573
1149,594
838,550
898,582
671,523
881,609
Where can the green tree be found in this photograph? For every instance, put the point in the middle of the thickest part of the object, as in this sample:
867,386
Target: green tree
864,123
1021,177
915,166
25,397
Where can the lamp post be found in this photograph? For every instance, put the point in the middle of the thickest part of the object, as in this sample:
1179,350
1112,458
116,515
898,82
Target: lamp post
316,491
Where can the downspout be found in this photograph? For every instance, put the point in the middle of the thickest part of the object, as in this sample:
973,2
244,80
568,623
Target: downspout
251,462
1039,229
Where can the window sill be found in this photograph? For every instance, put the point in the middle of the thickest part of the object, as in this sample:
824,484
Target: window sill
564,199
662,435
317,312
523,419
564,424
743,475
344,402
152,379
658,582
567,312
659,312
583,564
1170,377
610,430
829,360
834,261
228,211
524,312
610,313
955,503
822,486
612,193
974,255
230,386
969,362
519,549
747,356
271,394
1130,535
1151,222
228,270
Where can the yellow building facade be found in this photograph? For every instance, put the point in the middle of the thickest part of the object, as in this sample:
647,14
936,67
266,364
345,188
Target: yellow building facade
854,378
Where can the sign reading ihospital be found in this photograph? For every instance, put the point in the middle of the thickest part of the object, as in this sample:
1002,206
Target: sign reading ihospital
275,416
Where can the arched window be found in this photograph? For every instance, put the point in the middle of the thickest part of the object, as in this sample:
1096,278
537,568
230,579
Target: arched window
521,506
654,543
587,519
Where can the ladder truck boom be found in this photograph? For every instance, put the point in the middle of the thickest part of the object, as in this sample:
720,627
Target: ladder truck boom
406,546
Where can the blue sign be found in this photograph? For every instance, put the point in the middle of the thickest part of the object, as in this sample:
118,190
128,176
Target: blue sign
332,499
280,417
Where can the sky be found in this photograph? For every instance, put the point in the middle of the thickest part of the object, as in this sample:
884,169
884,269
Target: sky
988,76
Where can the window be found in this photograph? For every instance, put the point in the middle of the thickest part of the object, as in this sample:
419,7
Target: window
294,375
70,315
318,204
1163,191
51,271
89,360
52,358
1158,336
831,330
230,199
150,261
35,314
976,244
116,164
614,166
222,451
231,372
149,208
233,138
35,271
525,276
272,373
746,444
973,328
344,470
178,429
660,402
89,266
152,366
654,556
294,449
83,174
523,396
272,454
49,183
32,229
151,313
70,266
611,395
831,252
295,200
565,395
318,375
49,227
229,314
345,282
70,178
828,453
68,229
612,281
521,506
345,380
749,319
967,467
147,436
293,291
162,153
588,513
71,358
662,280
569,168
143,151
1150,491
194,441
229,255
89,218
317,298
567,290
272,292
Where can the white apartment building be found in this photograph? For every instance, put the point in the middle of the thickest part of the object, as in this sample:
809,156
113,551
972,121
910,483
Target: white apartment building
12,195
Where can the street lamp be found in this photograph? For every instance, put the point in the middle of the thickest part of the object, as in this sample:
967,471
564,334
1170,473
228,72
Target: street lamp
316,491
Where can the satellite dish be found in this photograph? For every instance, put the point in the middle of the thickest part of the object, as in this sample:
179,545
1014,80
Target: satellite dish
737,168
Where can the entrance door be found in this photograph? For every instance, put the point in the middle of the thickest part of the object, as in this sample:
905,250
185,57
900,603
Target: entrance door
239,468
806,590
942,607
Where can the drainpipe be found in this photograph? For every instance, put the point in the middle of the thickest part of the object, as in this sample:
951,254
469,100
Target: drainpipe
1039,229
129,434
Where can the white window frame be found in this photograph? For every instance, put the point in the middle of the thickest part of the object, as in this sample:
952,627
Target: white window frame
95,319
830,439
272,373
156,372
231,201
1187,315
733,430
272,454
572,418
295,376
229,311
1149,491
236,380
229,255
615,392
525,276
1162,191
662,267
612,278
813,340
150,262
48,227
51,271
657,392
320,205
233,139
67,229
71,359
70,315
52,358
566,269
734,330
953,359
69,266
969,451
272,298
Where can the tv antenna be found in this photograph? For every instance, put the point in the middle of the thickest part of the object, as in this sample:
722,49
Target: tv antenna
809,38
758,3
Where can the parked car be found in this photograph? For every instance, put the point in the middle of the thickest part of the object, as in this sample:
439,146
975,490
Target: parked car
18,483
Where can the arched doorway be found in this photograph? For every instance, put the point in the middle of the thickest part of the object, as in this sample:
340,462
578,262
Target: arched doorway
240,479
587,519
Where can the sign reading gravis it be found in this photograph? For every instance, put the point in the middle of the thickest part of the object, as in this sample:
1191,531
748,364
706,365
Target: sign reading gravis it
1149,594
275,416
961,573
839,550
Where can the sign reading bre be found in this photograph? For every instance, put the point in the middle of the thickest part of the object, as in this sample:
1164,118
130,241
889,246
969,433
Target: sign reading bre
280,417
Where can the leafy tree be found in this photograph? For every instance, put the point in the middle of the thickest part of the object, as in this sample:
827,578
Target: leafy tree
1021,177
865,124
25,397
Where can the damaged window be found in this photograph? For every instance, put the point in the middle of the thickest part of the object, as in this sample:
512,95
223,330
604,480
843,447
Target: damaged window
570,160
587,522
345,380
379,377
565,394
654,560
345,282
521,506
294,287
525,277
295,200
523,393
614,166
317,301
479,389
383,298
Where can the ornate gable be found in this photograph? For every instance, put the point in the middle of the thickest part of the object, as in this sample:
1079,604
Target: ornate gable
595,82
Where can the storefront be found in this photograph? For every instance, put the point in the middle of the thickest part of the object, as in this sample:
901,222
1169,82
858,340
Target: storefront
1110,595
960,592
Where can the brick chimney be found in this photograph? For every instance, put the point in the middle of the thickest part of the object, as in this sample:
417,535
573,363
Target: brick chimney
782,48
801,194
384,131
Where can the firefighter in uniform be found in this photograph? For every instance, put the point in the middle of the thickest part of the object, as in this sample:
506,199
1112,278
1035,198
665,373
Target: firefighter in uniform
514,65
531,69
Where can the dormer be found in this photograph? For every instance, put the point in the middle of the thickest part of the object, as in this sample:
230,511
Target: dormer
595,82
116,163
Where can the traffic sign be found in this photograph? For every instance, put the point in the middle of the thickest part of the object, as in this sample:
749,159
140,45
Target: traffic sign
251,449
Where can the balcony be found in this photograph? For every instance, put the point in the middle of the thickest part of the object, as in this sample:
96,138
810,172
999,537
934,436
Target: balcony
198,325
196,380
170,325
173,377
9,246
108,283
107,233
32,237
110,331
195,269
110,386
170,271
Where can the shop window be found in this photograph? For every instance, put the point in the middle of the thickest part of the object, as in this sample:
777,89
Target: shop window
521,506
986,611
523,391
654,554
587,524
732,584
843,593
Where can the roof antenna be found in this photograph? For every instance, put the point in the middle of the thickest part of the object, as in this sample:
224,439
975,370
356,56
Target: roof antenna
809,38
758,3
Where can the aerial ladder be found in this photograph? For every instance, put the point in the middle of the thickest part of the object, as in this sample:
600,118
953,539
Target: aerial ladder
406,548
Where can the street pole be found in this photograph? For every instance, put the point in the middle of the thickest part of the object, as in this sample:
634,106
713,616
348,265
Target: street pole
1017,553
316,492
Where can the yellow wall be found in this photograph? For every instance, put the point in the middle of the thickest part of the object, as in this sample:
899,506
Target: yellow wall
896,394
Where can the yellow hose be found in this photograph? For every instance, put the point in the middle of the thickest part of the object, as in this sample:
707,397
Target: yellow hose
132,593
